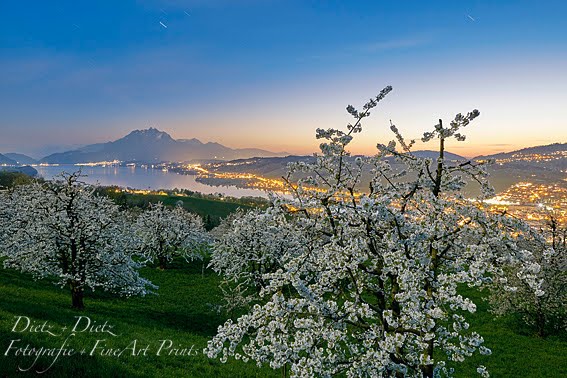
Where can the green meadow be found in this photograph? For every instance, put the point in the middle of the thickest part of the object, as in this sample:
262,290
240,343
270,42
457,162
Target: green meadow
211,210
182,315
182,312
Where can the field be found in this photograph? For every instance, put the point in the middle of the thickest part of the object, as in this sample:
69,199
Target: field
183,312
211,210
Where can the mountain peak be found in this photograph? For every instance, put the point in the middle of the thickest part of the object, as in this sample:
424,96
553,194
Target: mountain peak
150,133
193,141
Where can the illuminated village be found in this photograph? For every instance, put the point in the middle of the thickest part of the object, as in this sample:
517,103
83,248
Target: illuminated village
533,202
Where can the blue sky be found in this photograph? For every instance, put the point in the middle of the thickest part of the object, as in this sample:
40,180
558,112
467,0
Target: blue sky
253,73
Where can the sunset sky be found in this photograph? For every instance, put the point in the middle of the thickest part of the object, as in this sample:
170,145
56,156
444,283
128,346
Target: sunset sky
267,73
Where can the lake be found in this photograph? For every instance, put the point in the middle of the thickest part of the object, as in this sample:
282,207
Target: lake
145,178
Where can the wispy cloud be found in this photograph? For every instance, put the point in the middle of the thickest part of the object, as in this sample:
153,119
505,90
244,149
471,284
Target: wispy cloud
372,47
394,44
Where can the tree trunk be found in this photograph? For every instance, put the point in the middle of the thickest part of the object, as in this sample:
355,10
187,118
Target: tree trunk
77,294
541,324
428,371
162,262
284,371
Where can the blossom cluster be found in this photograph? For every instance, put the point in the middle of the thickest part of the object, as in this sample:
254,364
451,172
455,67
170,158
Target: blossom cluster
162,233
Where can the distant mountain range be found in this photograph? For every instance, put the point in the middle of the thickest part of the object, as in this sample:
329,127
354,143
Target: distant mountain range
152,145
546,163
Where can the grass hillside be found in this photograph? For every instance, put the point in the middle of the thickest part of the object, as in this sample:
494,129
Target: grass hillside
216,209
517,351
183,312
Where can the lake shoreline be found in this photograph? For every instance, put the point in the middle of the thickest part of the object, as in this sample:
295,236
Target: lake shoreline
145,179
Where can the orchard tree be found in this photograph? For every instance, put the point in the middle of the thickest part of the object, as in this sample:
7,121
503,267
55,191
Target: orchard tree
164,233
249,245
62,229
5,212
373,293
546,309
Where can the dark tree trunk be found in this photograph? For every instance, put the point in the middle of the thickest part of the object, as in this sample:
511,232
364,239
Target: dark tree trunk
541,324
428,371
77,294
162,262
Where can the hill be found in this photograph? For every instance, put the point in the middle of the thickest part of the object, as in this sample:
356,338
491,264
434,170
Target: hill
557,149
26,170
152,145
21,158
539,164
6,160
427,154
